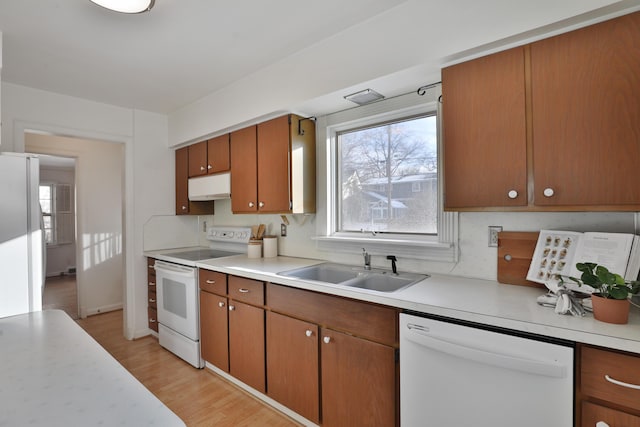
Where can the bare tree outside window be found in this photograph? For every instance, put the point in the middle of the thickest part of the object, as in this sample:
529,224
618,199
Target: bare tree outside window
388,177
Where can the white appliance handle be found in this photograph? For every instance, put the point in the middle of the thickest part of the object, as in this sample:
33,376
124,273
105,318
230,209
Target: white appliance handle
499,360
173,269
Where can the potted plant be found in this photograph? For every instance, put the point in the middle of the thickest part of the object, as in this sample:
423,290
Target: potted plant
610,300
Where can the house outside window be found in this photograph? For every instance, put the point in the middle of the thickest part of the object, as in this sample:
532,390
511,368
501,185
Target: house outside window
379,167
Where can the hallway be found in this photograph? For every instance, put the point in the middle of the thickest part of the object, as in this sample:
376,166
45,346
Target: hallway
61,292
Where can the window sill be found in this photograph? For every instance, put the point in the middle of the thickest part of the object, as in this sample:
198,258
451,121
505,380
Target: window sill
417,249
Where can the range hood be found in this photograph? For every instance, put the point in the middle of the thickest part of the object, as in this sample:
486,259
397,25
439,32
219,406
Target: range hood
210,187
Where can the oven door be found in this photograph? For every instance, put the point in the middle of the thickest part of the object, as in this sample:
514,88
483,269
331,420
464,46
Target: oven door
177,292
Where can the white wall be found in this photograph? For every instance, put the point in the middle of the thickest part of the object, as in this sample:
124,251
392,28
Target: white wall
59,257
148,167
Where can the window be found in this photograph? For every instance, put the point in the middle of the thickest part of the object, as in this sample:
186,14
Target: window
382,189
379,169
46,204
57,213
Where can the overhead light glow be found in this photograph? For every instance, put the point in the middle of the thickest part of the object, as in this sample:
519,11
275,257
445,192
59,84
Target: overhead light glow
126,6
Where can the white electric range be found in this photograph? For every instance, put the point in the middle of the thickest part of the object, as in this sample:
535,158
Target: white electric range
177,289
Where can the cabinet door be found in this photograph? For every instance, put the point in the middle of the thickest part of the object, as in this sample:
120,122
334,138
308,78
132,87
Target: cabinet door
218,154
274,182
485,147
595,415
244,178
358,381
198,159
214,343
586,115
182,181
247,344
292,364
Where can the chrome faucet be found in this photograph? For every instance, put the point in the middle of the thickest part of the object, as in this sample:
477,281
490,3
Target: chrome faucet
367,259
393,263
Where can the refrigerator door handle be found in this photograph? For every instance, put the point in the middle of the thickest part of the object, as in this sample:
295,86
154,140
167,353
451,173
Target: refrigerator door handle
536,367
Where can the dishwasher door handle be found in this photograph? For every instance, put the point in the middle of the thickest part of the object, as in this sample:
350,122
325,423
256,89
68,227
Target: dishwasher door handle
535,367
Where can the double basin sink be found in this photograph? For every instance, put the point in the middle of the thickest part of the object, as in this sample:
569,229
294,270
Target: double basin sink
356,277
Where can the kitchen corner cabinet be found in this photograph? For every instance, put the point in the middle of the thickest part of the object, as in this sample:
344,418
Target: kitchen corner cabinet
152,300
273,167
183,205
550,126
332,359
608,389
209,157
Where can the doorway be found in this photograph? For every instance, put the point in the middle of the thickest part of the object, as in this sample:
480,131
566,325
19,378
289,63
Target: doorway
57,201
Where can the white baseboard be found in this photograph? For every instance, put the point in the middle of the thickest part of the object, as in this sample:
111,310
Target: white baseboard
103,309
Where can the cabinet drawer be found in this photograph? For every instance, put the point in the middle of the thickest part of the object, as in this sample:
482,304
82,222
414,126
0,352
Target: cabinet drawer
600,369
366,320
152,300
593,414
153,318
246,290
212,281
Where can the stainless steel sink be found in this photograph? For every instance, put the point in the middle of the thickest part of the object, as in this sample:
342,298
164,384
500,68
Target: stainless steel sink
356,277
328,273
385,282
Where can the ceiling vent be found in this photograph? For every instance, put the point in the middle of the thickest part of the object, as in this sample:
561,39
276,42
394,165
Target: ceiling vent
363,97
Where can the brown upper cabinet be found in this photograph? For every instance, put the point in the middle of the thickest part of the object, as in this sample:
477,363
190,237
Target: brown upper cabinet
209,157
485,145
273,167
183,205
550,126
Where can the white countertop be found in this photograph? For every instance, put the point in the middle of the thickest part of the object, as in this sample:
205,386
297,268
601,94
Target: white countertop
52,373
481,301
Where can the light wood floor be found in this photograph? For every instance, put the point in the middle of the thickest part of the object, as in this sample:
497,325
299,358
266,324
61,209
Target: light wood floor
60,292
198,396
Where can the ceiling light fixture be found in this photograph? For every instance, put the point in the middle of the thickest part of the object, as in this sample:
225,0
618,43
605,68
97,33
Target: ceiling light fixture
363,97
126,6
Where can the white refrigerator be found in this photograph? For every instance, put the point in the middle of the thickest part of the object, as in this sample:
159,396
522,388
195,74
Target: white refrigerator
21,236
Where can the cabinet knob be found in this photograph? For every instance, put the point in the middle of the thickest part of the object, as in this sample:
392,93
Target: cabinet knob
261,205
243,290
152,320
220,304
548,192
152,283
210,282
151,300
512,194
326,340
201,168
601,424
251,204
209,167
184,208
232,307
308,332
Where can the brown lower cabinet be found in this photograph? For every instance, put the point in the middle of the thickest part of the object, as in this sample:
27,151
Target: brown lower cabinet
332,360
293,364
152,304
345,377
608,388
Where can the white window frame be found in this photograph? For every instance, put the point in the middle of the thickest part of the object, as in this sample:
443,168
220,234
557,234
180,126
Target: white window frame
442,247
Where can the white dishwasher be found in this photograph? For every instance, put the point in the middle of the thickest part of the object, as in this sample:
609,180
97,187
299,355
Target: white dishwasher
459,375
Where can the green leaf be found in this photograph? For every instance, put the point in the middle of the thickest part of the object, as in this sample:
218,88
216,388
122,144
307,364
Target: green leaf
619,292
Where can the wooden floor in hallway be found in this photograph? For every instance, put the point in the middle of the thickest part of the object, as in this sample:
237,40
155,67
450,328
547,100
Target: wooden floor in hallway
198,396
61,292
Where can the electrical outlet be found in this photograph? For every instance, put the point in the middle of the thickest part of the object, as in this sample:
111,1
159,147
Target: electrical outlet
493,235
283,230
